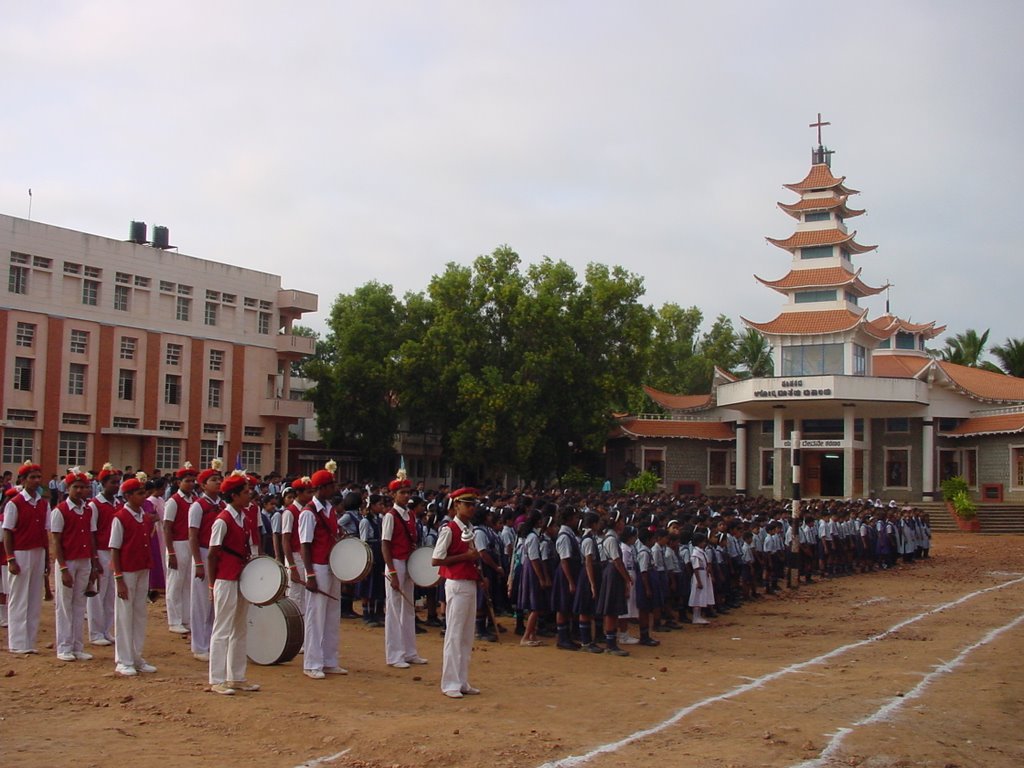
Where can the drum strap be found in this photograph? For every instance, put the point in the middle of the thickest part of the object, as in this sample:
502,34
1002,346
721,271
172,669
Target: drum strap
230,551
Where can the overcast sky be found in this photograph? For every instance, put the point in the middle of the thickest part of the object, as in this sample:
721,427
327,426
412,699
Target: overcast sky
336,143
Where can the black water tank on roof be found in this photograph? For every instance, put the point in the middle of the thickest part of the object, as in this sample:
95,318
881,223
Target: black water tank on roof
161,237
137,232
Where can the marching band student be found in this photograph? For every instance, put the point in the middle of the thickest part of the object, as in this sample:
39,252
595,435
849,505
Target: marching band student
229,552
457,558
702,592
73,532
176,543
615,582
398,539
100,607
318,533
24,527
290,545
131,559
201,515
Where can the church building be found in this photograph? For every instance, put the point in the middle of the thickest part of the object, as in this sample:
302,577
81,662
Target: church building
874,413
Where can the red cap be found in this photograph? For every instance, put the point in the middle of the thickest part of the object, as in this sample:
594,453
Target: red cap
132,484
215,470
300,484
398,484
187,470
324,476
76,475
463,494
233,482
108,471
28,468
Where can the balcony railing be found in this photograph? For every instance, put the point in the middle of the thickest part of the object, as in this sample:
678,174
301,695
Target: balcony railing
282,408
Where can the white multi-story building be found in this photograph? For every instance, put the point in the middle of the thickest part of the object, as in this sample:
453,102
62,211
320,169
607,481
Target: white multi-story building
139,355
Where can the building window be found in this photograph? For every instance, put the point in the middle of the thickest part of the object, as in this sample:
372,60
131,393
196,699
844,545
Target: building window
70,268
90,292
817,252
213,429
263,323
18,445
94,272
897,426
809,297
23,374
78,419
122,278
851,297
25,335
76,380
170,426
184,309
767,468
168,453
252,457
1016,465
184,290
142,282
126,385
121,297
228,298
654,461
166,286
897,468
905,340
210,316
721,468
213,399
79,342
21,414
17,279
860,360
812,359
124,422
252,432
207,452
172,389
817,216
216,359
173,354
71,449
128,348
249,302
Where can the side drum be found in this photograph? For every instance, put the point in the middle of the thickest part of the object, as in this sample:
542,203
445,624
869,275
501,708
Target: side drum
350,560
421,570
264,581
274,632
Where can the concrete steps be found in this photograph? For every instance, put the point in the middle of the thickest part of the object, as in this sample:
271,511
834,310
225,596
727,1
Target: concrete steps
994,518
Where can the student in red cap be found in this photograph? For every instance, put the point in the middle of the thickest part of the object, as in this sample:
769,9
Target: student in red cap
178,558
201,515
24,526
131,559
457,557
229,552
101,605
73,533
398,539
290,544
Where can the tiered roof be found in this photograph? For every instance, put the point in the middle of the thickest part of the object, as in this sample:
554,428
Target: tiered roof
827,277
812,323
812,237
678,402
695,430
1002,424
888,325
812,204
820,178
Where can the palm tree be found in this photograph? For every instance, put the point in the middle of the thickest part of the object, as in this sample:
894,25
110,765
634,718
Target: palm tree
967,348
754,354
1011,356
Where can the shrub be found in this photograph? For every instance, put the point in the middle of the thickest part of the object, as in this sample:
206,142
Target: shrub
577,479
963,506
645,482
952,487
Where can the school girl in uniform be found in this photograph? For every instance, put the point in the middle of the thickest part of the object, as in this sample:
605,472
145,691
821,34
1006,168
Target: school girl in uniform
565,584
587,576
371,588
627,543
615,583
702,591
645,586
533,580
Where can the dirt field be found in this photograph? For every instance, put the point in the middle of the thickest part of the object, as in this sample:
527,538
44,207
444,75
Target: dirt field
922,666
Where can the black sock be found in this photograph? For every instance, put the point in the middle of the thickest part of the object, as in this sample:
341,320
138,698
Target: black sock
585,633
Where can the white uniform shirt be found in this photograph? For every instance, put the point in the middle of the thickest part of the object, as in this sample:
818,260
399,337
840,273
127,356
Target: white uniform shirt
220,528
444,539
117,530
57,519
307,520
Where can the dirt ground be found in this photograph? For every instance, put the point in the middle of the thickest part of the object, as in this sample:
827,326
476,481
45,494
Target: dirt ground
750,690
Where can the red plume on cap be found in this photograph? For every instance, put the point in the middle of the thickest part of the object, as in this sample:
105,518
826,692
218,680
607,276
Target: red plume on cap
187,470
233,482
76,475
28,468
324,476
301,484
398,484
215,470
108,471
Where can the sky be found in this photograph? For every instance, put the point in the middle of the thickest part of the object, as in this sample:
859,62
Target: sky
335,143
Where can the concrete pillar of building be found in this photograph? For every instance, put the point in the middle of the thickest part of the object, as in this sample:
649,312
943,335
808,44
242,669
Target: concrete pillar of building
741,457
777,457
849,430
866,461
928,460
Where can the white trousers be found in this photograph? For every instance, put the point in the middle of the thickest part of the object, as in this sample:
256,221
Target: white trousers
101,606
460,618
400,618
323,621
227,641
179,592
70,606
25,599
296,591
130,620
201,609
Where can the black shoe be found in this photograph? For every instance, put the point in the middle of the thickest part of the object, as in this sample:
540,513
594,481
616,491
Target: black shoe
420,630
616,651
567,646
432,623
487,637
591,648
350,615
649,641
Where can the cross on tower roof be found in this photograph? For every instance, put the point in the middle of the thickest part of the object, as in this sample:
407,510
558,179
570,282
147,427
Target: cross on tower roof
819,125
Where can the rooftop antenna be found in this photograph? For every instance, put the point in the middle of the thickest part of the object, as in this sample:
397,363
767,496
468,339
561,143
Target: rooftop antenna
888,289
30,203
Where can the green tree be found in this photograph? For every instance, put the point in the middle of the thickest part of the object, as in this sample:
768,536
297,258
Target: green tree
967,348
674,365
754,355
1011,356
299,366
717,347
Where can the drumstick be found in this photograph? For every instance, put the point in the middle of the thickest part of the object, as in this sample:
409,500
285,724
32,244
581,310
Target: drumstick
319,591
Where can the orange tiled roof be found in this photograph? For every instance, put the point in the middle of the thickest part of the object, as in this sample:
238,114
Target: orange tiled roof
818,178
678,402
800,323
695,430
982,384
886,325
826,277
820,204
814,237
1002,424
898,366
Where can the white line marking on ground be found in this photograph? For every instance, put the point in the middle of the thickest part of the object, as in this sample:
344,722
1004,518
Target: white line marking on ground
615,746
886,711
322,760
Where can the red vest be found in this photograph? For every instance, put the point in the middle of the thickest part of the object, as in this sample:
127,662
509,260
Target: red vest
296,544
135,552
210,511
466,570
104,517
230,565
252,523
325,534
76,538
179,526
403,538
30,532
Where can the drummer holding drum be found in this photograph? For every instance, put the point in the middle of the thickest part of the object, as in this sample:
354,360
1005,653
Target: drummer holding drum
398,540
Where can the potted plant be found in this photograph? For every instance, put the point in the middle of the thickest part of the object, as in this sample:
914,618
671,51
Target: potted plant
958,501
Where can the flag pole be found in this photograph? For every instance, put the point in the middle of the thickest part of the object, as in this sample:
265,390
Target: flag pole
30,203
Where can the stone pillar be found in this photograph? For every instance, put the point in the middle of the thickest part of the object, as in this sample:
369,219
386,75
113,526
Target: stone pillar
866,461
849,431
928,460
741,457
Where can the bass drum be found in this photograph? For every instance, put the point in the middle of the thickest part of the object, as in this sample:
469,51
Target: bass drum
350,560
274,632
263,581
421,570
